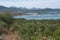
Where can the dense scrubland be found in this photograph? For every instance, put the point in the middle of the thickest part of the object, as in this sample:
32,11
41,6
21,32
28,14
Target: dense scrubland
22,29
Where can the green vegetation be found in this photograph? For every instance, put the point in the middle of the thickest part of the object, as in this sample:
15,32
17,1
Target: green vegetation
30,29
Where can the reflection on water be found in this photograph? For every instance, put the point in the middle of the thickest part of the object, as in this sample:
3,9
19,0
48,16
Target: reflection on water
41,16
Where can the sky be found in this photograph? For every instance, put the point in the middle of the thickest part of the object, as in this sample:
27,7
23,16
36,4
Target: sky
31,3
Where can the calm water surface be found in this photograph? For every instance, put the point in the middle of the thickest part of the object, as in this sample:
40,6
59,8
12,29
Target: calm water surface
38,17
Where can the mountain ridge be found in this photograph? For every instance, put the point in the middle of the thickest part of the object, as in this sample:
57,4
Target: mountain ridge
22,9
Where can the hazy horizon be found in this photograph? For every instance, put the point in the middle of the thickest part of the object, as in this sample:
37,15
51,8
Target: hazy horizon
31,3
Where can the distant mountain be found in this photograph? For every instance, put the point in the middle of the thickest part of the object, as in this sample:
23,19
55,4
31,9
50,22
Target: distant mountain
35,10
12,9
2,8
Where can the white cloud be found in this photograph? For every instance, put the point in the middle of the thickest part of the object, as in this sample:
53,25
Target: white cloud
32,3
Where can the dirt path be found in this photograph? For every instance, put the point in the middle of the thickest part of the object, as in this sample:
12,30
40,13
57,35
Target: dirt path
9,37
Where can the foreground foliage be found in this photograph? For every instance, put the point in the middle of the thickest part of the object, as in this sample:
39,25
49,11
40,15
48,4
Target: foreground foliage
31,29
